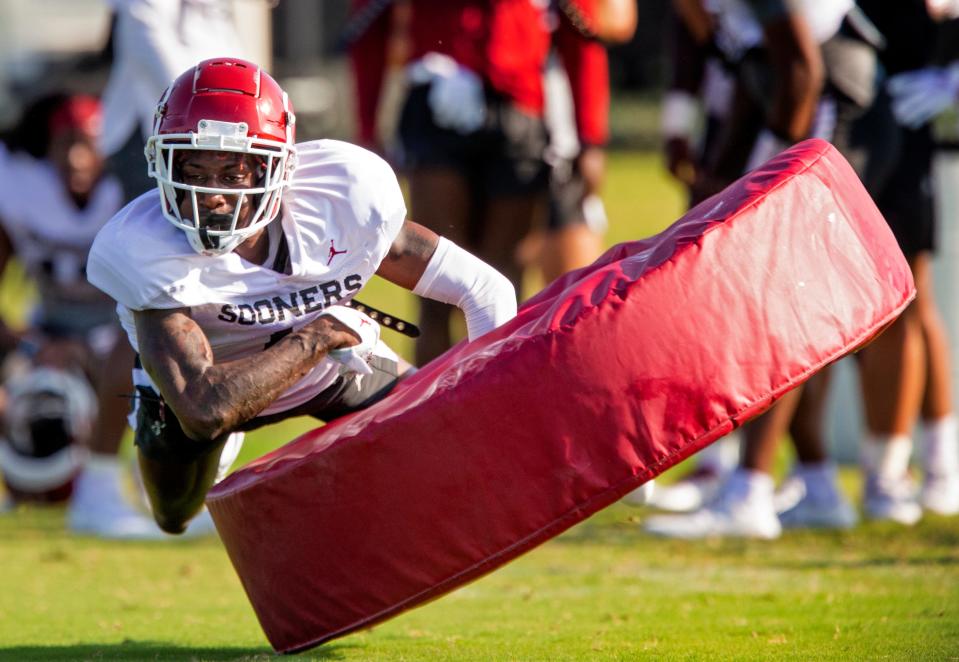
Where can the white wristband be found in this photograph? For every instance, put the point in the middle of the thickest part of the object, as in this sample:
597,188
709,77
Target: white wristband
680,112
355,358
485,296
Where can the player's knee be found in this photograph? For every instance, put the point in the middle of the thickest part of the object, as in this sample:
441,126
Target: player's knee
174,516
170,523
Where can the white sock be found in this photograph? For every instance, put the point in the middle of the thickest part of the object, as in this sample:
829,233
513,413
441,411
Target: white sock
102,464
749,485
101,472
940,445
887,455
722,456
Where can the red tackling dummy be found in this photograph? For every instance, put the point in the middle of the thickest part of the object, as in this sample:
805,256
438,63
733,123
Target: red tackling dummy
605,379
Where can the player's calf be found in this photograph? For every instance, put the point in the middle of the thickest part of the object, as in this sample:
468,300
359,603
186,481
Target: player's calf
177,471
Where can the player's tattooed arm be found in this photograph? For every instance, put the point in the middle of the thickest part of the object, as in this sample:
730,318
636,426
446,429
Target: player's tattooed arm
407,258
212,399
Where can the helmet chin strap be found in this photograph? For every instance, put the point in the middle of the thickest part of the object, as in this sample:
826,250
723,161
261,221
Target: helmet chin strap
214,245
209,242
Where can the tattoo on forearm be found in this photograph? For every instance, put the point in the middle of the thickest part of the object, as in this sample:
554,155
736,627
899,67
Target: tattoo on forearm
178,357
416,242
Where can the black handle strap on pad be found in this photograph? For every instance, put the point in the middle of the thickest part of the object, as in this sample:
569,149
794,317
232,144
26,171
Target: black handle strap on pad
385,319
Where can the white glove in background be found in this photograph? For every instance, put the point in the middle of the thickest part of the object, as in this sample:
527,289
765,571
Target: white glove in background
356,358
920,95
679,115
456,95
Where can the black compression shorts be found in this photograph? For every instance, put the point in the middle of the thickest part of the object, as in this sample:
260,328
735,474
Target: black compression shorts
504,157
906,199
159,436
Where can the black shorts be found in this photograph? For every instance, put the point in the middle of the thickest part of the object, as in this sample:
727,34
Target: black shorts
505,157
159,436
906,199
567,188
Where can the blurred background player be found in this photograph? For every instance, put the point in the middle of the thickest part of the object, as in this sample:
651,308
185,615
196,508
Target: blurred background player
905,371
375,37
153,41
486,122
577,116
377,34
472,133
54,197
736,124
836,40
695,104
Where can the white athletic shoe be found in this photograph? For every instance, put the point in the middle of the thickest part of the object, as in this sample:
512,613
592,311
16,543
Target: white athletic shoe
789,493
231,451
111,519
98,508
730,514
641,495
940,493
893,500
810,498
820,511
688,494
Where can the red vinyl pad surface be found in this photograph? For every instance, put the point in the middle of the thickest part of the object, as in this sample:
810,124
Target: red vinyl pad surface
608,377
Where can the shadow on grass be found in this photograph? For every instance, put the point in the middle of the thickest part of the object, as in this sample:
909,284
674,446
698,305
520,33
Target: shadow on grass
621,526
874,562
152,650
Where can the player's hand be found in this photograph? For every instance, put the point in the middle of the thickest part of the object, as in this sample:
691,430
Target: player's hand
680,161
920,95
355,357
456,97
591,164
706,185
678,121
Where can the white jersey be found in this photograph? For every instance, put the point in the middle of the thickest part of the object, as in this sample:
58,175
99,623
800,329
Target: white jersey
339,218
739,30
155,41
51,237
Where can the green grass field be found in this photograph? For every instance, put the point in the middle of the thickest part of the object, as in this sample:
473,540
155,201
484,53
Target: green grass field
602,591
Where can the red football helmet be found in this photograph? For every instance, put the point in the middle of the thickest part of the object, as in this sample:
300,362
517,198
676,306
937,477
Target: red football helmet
229,105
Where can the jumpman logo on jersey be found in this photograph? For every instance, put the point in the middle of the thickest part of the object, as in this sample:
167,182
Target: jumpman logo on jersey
333,253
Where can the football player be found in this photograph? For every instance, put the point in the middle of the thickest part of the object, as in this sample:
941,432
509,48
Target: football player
55,199
472,132
231,278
